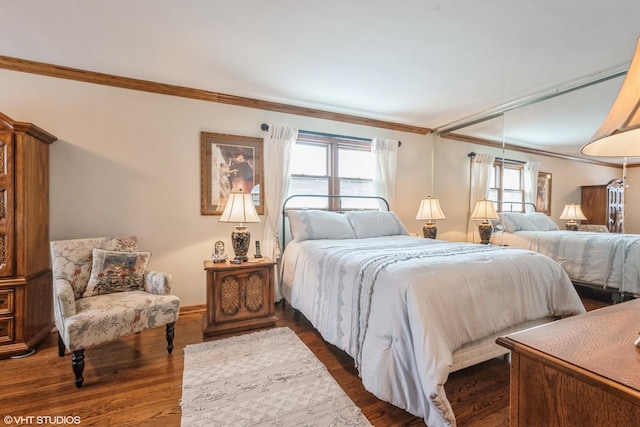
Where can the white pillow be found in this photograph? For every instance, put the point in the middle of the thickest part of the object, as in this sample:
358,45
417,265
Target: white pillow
316,224
541,221
375,224
515,221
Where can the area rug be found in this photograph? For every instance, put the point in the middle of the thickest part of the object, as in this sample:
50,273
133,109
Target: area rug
265,378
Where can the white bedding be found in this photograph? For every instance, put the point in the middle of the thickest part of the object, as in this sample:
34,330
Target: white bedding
609,260
400,306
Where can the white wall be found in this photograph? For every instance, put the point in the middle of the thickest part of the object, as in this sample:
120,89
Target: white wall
128,162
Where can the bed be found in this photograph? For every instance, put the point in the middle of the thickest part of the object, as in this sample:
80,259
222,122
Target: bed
411,310
598,260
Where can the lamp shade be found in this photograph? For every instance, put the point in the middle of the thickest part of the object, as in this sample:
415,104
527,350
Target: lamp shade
572,211
429,210
239,208
619,134
484,210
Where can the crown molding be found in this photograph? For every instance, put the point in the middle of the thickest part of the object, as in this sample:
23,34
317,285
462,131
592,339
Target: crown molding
511,147
59,71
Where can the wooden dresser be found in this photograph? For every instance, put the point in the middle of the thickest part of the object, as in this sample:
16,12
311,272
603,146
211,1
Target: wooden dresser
239,296
579,371
26,301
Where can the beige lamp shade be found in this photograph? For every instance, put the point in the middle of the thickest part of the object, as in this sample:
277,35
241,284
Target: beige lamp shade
239,208
573,212
430,210
484,210
619,134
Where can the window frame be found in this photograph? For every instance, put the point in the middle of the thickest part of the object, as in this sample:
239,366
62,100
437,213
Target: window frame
497,171
333,144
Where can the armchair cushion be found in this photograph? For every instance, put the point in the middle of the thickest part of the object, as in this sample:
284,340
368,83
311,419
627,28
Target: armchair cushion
104,318
115,271
72,259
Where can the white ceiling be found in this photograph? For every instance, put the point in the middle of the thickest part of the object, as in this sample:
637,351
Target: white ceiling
419,62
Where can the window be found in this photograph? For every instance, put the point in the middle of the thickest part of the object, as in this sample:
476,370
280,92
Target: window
507,186
328,165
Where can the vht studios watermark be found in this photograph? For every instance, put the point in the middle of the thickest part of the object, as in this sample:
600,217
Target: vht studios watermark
41,420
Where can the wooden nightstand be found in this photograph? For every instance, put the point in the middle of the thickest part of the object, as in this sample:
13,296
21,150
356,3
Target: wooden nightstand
239,296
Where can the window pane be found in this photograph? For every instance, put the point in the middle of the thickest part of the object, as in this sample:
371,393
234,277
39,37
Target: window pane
355,164
354,187
512,180
308,159
512,200
302,185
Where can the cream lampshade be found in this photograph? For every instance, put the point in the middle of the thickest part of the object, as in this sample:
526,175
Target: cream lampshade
430,210
484,211
240,209
572,212
619,134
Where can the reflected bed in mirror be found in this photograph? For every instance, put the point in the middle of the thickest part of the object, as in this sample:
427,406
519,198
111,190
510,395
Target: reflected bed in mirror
601,260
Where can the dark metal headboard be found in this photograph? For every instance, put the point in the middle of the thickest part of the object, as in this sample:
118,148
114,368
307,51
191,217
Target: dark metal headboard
324,196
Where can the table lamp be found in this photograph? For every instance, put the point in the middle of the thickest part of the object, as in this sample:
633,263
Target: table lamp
572,212
240,209
429,210
484,211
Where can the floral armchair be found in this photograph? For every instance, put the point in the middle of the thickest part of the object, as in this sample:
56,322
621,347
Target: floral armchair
102,291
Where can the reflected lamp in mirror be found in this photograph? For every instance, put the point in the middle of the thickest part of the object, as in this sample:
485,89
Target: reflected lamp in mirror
572,212
484,211
240,209
429,211
619,134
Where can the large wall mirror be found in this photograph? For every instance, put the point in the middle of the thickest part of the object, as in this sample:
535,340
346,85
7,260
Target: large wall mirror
561,122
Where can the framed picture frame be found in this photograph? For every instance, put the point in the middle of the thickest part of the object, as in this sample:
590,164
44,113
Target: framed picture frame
229,163
543,197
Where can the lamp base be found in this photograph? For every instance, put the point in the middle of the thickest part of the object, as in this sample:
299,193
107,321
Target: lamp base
240,238
571,225
429,231
485,229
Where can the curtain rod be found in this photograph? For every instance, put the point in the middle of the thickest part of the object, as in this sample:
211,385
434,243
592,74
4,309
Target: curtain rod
504,159
265,127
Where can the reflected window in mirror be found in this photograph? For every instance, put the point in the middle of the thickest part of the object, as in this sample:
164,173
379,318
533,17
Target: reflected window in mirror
507,186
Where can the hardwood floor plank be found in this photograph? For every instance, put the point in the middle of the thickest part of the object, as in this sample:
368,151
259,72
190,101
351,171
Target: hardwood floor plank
134,382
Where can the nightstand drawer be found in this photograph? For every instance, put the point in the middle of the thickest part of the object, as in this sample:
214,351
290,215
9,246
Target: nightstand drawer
6,301
6,329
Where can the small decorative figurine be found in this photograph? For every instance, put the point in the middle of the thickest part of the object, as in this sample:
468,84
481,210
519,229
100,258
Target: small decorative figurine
219,255
258,254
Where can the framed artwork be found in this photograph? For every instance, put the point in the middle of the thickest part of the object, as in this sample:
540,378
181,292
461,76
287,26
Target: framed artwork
543,198
229,163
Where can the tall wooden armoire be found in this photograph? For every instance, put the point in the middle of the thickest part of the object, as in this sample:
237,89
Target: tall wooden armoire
604,205
26,300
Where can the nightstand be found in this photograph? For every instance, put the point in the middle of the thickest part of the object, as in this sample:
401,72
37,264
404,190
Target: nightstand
239,296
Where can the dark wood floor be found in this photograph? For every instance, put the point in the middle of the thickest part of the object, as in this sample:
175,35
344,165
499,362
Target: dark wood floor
134,382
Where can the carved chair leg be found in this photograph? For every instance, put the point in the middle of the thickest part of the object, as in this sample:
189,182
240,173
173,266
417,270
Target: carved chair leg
77,362
61,347
170,335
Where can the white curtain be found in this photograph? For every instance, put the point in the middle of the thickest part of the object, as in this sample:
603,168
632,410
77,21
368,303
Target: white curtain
385,152
481,165
277,166
531,170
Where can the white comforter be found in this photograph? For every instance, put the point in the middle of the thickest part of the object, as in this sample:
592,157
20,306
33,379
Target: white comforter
400,306
609,260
